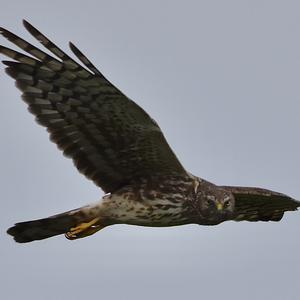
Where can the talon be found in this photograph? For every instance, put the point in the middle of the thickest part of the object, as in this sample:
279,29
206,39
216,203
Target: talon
84,229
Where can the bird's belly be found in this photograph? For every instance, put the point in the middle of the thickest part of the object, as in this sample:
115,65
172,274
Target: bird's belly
145,212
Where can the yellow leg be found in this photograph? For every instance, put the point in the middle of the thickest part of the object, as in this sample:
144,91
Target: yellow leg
84,229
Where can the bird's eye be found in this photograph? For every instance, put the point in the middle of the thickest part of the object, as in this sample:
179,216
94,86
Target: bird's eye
209,202
226,203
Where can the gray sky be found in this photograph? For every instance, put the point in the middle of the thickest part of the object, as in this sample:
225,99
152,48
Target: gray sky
222,80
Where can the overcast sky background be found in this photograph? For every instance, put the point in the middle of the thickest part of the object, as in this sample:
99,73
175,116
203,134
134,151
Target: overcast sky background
222,80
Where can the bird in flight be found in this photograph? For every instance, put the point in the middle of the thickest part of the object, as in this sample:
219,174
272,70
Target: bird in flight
117,145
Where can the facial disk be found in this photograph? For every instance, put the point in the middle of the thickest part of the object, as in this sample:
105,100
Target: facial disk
216,205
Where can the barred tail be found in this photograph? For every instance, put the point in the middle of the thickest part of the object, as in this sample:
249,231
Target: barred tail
74,224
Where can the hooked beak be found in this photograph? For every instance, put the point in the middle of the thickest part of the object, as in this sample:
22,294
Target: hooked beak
219,206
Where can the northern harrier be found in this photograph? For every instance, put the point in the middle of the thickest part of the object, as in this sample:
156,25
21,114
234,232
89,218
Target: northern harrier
116,144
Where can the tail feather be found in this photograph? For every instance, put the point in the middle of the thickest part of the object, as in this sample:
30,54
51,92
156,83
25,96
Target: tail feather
24,232
29,231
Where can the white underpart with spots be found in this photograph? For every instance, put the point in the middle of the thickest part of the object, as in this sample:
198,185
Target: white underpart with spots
119,209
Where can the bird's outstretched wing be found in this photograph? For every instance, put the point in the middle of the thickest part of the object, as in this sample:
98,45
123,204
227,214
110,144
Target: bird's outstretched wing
255,204
111,139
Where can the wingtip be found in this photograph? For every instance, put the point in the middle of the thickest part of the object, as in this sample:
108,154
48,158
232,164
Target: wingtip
7,34
29,27
75,50
25,23
8,63
73,47
4,31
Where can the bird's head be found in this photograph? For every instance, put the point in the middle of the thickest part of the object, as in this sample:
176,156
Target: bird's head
214,203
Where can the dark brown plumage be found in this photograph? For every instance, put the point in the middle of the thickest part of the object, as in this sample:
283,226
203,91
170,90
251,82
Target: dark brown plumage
115,143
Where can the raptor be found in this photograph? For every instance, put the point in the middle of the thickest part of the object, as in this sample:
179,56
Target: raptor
117,145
